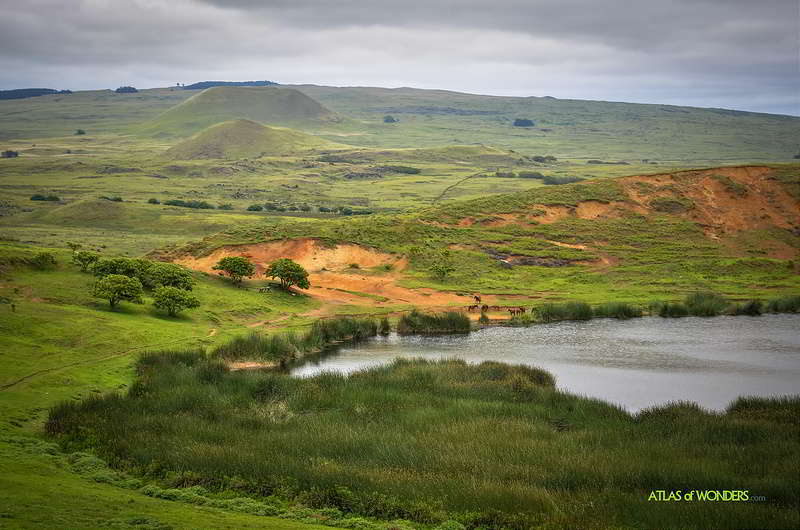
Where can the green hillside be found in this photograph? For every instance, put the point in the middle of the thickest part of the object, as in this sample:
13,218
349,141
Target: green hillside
241,139
272,104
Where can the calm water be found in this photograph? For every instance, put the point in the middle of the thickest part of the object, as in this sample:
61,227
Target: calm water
635,363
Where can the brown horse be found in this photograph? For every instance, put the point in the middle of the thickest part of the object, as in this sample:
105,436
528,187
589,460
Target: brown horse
472,308
477,298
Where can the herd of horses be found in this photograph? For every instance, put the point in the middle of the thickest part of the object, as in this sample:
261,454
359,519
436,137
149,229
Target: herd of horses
514,310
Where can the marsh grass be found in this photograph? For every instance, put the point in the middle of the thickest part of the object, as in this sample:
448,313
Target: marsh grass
419,322
286,346
403,442
786,304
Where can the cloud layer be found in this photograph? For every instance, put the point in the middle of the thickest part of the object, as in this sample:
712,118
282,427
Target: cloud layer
721,53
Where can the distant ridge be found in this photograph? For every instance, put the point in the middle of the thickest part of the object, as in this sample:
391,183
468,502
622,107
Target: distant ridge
267,104
22,93
202,85
242,139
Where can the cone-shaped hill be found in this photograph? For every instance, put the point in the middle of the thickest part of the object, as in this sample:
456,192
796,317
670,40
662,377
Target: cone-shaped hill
243,139
282,106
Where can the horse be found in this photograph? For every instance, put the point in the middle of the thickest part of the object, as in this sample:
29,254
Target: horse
472,308
484,308
477,298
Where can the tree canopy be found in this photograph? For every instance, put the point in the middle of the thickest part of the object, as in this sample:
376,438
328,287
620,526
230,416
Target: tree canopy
289,273
236,267
173,300
118,287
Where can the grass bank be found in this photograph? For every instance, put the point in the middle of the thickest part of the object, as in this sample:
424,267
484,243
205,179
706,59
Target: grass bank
403,441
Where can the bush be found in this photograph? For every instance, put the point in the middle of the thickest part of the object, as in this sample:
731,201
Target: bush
40,197
80,132
619,310
553,180
417,322
153,201
126,90
750,308
201,205
705,304
389,119
786,304
167,275
569,311
523,122
84,259
173,300
324,209
9,154
530,175
112,199
225,206
255,208
44,260
670,310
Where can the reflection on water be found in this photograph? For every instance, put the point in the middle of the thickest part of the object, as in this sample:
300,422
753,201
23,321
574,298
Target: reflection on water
635,363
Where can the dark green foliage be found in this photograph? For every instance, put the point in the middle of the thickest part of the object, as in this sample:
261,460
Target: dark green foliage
153,201
705,304
9,154
442,264
389,119
84,259
289,273
552,312
173,300
787,304
557,181
112,199
751,308
43,260
201,205
202,85
80,132
671,205
116,288
40,197
731,186
407,170
283,347
324,209
255,208
236,267
385,328
619,310
132,267
505,174
304,207
530,175
670,310
126,90
417,322
225,206
167,275
523,122
22,93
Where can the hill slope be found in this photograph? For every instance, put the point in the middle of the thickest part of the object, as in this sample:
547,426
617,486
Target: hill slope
240,139
268,104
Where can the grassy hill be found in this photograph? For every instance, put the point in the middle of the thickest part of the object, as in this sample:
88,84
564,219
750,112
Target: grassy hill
278,105
242,139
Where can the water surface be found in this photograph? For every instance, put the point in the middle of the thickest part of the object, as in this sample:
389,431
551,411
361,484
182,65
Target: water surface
635,363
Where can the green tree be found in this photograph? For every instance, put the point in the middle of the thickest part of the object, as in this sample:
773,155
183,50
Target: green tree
442,264
73,246
289,273
169,275
236,267
173,300
84,259
117,287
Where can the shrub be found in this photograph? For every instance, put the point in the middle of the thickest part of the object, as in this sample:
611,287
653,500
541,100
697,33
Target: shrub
530,175
173,300
201,205
255,208
126,90
705,304
670,310
40,197
236,267
225,206
442,265
389,119
385,328
786,304
116,287
80,132
132,267
289,273
523,122
750,308
43,260
619,310
417,322
557,181
569,311
324,209
153,201
84,259
9,154
112,199
167,275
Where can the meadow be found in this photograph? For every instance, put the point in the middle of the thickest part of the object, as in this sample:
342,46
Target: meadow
437,178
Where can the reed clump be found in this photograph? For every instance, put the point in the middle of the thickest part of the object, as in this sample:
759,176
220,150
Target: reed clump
418,322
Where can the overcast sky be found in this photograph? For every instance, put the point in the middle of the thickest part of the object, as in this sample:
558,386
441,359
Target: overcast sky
740,54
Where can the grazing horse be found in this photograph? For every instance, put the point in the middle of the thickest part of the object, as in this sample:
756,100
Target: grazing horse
472,308
477,298
484,308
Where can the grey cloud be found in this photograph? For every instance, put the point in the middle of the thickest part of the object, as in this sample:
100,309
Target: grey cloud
731,53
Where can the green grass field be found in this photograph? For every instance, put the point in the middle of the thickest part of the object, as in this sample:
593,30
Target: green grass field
62,345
